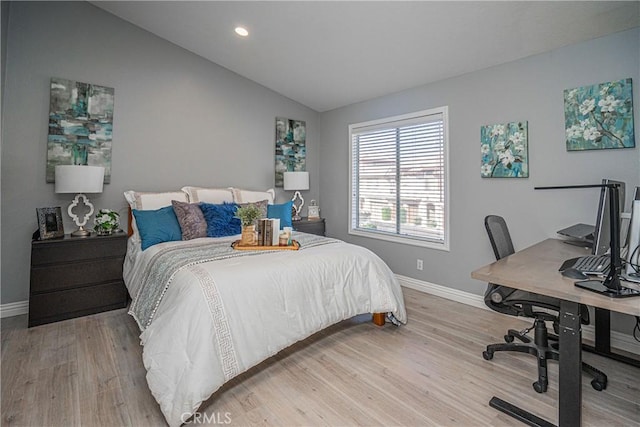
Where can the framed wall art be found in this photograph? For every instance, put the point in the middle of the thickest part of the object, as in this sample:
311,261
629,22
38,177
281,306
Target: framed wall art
80,126
599,117
505,150
291,147
50,223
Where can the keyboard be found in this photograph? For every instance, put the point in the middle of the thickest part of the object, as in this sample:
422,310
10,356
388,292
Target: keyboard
593,264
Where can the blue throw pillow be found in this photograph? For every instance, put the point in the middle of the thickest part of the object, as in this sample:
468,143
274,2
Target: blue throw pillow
220,219
283,212
157,226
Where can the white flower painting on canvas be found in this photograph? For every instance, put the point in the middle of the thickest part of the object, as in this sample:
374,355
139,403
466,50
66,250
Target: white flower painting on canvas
504,150
599,117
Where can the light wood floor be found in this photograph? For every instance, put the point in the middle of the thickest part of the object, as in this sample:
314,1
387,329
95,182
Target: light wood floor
89,372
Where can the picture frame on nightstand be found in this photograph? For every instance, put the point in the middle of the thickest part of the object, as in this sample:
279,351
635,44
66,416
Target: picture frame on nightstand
313,210
50,223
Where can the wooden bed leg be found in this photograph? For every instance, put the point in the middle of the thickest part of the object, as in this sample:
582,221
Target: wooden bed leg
378,319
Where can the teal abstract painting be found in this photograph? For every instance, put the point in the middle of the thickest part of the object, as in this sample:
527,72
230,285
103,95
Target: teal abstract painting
599,117
80,126
291,147
505,150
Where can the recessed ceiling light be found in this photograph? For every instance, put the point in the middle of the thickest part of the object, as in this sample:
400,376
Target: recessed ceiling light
241,31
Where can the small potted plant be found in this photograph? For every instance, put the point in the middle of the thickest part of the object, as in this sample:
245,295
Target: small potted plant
248,215
106,222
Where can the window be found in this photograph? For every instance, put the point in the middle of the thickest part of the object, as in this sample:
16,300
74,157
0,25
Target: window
399,185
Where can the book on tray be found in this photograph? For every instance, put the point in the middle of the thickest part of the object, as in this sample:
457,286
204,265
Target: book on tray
268,231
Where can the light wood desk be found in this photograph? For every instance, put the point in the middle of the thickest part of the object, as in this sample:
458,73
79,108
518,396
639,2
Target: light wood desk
535,269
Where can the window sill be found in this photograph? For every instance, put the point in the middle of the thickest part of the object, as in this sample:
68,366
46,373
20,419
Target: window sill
402,240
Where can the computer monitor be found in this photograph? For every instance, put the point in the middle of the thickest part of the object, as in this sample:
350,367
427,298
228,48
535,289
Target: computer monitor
611,285
602,232
633,237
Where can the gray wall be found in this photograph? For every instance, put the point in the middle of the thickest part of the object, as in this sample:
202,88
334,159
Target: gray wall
529,89
4,26
179,119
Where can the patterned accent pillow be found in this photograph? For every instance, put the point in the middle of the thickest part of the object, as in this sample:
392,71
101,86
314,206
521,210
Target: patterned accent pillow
262,205
221,219
191,219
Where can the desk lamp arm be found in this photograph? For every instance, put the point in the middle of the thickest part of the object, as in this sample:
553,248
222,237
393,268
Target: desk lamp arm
612,281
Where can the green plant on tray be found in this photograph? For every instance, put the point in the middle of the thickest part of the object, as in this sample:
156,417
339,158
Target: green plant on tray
248,214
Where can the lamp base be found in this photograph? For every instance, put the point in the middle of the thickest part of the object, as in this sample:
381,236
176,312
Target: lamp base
597,286
297,209
81,232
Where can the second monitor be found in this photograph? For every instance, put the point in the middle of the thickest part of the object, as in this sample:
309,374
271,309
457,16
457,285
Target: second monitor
602,232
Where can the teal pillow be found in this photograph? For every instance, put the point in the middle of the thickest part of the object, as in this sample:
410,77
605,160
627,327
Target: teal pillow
283,212
157,226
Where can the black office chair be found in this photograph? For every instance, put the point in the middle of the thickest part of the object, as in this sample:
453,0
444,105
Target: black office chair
522,303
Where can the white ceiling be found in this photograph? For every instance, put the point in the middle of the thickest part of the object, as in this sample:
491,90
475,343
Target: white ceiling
327,54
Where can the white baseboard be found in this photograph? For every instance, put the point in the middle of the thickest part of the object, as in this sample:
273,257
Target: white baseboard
624,342
442,291
620,341
14,309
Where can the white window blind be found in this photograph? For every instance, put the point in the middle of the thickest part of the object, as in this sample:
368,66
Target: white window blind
399,179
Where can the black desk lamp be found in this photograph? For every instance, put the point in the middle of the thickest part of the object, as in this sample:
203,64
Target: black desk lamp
610,286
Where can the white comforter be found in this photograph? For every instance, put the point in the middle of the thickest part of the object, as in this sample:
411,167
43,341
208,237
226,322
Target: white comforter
218,319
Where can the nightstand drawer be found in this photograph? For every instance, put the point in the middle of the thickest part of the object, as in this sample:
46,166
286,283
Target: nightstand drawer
313,226
77,249
75,274
54,306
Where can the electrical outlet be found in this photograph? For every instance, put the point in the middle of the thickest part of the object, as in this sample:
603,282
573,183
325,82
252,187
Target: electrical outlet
419,265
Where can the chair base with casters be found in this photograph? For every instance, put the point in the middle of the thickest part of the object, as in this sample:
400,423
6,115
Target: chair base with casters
543,351
541,308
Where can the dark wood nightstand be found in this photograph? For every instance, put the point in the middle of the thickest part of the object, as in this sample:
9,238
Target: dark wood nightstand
76,276
311,226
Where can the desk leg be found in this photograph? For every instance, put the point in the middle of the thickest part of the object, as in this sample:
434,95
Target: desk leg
570,387
603,340
519,414
603,330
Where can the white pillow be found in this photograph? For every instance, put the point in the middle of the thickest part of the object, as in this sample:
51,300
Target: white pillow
247,196
215,196
152,201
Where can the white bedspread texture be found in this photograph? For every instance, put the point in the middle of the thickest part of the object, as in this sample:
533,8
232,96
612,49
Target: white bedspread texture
220,318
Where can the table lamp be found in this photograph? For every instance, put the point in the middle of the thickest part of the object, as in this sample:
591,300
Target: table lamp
296,181
79,179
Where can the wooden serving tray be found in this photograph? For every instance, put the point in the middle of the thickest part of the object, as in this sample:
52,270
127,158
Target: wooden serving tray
293,247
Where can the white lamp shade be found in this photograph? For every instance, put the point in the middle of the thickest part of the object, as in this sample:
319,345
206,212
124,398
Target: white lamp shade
79,179
296,181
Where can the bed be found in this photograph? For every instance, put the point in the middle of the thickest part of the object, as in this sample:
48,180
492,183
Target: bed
208,312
